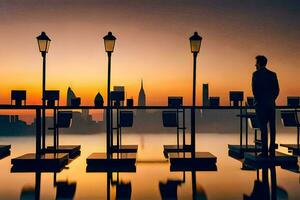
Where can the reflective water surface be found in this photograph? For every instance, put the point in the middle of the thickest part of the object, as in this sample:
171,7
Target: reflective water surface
152,179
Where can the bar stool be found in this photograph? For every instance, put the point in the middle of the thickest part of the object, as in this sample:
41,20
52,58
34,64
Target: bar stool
175,119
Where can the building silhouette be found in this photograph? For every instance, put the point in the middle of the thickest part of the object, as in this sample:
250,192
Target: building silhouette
205,95
70,95
142,96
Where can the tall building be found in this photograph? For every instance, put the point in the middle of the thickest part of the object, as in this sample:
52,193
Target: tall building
142,96
205,95
70,95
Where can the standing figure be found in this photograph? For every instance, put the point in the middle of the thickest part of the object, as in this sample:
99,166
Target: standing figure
265,89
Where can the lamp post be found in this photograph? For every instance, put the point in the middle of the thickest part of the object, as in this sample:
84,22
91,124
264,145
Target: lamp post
44,43
195,43
109,43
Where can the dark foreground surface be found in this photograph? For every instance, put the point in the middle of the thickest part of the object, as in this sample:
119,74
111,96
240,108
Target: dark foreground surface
152,178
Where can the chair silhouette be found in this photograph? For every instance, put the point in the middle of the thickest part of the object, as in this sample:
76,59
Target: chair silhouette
52,98
214,101
289,118
64,120
18,97
236,98
176,119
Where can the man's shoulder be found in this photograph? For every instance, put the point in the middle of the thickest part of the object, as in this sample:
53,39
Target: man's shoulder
271,72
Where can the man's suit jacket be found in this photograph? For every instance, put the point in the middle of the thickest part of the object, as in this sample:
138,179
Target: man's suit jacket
265,87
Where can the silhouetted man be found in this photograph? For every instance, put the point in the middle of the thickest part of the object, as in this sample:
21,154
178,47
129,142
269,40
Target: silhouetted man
265,89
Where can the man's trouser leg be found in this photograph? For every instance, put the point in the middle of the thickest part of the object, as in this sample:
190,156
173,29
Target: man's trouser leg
272,121
262,120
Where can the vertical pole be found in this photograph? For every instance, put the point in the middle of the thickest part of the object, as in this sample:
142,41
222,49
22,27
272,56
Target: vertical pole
183,138
118,129
241,128
37,185
246,124
44,103
178,125
194,185
55,146
38,132
108,114
193,130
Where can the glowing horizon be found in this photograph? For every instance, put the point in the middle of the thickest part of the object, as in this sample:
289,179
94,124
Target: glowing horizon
151,45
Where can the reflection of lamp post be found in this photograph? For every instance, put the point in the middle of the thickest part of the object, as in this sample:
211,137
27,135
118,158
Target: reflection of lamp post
195,43
109,43
44,43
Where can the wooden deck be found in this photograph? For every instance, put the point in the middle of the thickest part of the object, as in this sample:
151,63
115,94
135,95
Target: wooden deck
183,161
294,148
280,159
125,148
72,150
118,161
4,150
175,149
48,162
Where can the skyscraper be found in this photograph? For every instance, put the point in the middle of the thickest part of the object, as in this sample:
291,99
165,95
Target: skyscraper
205,95
142,96
70,95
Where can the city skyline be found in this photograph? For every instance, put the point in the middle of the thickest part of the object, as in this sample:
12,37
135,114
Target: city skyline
222,53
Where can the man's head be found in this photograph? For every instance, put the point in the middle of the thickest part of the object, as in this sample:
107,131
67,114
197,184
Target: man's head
261,61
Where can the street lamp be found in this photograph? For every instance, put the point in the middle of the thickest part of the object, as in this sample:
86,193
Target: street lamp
44,43
195,43
109,44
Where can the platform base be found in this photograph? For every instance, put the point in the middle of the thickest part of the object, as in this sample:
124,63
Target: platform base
176,148
125,148
46,162
294,148
183,161
118,161
237,151
280,159
4,150
72,150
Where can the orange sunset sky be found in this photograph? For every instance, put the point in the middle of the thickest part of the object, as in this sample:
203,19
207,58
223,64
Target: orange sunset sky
152,44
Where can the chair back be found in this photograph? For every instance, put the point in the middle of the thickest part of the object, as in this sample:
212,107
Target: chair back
64,119
126,118
170,118
289,118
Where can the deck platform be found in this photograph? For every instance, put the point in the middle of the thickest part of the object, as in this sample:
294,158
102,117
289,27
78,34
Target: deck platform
183,161
4,150
280,159
100,162
237,151
46,162
125,148
72,150
176,148
294,148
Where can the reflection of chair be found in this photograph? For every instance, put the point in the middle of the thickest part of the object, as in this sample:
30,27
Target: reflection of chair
18,97
168,190
290,119
123,191
65,190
